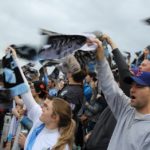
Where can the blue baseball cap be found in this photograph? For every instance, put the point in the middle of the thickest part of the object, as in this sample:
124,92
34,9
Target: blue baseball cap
142,78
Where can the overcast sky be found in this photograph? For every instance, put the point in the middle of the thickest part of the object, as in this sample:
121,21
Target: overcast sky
20,20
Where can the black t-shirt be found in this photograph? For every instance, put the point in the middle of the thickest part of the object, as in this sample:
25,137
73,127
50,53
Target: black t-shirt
73,94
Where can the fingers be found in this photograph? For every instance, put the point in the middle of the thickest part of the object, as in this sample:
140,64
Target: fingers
21,138
107,38
100,49
95,41
11,51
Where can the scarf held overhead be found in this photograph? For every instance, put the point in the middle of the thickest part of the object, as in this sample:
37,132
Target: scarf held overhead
12,76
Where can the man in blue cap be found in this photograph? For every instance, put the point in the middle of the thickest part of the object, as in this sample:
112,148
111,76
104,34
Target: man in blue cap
132,131
139,98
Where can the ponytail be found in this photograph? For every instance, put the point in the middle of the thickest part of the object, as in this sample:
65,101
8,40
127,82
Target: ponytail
66,136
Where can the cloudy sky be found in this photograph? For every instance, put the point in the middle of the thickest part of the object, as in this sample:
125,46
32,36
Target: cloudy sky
20,20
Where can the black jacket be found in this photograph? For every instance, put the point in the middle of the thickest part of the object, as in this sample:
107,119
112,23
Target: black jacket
102,131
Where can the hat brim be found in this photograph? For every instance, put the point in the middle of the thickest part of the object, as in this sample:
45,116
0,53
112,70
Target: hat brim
130,80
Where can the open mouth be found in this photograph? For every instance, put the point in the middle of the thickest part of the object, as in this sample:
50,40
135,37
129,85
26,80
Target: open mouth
132,97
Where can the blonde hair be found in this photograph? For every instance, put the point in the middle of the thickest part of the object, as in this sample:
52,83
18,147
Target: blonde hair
66,124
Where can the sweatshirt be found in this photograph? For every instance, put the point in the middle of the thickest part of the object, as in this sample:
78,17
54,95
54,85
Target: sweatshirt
132,131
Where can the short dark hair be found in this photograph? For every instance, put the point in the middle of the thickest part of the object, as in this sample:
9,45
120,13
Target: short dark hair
79,76
93,75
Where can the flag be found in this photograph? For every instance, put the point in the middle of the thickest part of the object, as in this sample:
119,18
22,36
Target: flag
26,52
49,62
61,45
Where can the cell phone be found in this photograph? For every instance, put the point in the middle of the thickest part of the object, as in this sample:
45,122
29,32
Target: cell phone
24,132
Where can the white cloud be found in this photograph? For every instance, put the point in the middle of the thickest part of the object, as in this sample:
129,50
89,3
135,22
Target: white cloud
21,20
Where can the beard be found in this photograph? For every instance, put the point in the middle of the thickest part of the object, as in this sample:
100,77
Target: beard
138,105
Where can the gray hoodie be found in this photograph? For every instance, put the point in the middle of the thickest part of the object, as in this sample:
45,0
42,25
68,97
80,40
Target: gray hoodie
132,131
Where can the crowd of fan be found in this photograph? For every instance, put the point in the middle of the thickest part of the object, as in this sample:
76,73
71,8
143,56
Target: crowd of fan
93,118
